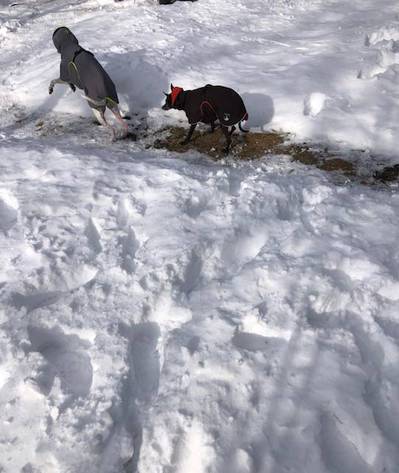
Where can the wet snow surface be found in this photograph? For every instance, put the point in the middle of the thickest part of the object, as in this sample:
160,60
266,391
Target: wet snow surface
172,314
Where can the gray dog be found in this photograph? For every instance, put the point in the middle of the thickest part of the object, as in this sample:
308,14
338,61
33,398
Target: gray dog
79,68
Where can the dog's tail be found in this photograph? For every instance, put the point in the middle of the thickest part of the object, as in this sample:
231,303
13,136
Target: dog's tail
243,119
242,129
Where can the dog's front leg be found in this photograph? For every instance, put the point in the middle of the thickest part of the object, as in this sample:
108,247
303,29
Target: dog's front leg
227,134
52,84
189,135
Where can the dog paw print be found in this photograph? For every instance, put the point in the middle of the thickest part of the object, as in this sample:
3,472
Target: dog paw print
128,248
64,357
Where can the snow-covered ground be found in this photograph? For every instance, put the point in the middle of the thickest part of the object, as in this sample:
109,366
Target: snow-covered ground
172,314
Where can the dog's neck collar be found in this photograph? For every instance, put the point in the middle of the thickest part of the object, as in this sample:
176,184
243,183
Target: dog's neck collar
180,100
176,91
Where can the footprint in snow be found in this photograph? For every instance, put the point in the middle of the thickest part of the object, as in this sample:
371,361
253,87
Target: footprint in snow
36,300
192,273
128,209
8,211
339,452
92,233
254,342
129,246
65,357
138,389
143,359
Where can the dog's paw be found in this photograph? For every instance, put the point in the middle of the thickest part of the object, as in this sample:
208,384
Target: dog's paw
184,142
131,136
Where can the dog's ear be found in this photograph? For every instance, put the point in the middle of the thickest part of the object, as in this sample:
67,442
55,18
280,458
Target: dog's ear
171,87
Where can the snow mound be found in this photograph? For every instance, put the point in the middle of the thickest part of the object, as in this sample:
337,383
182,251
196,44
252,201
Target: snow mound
314,104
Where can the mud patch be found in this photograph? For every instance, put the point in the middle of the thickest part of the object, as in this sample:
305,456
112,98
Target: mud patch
248,146
251,146
357,167
387,174
321,158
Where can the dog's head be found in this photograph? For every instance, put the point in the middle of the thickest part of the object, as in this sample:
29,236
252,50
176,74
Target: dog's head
63,37
172,98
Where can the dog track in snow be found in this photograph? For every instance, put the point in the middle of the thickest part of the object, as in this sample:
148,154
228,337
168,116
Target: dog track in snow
8,212
389,326
192,444
93,237
128,210
129,246
65,357
192,273
144,360
139,389
255,342
381,398
35,301
338,452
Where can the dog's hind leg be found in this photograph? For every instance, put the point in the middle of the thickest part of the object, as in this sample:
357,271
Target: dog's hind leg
189,135
118,116
99,114
233,129
212,127
227,134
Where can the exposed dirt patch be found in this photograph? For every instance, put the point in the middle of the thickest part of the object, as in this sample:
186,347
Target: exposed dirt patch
244,146
250,146
388,174
358,167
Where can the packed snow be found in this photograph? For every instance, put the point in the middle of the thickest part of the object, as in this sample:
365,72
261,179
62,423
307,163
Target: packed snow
169,313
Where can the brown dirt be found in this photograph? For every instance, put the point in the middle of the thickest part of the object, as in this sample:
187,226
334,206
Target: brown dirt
388,174
253,146
248,146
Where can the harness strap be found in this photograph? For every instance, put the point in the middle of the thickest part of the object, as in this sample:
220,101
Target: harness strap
72,63
205,102
97,103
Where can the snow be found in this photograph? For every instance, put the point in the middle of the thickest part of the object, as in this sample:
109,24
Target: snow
169,313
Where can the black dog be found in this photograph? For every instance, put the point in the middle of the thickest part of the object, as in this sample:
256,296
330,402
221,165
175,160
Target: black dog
207,105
